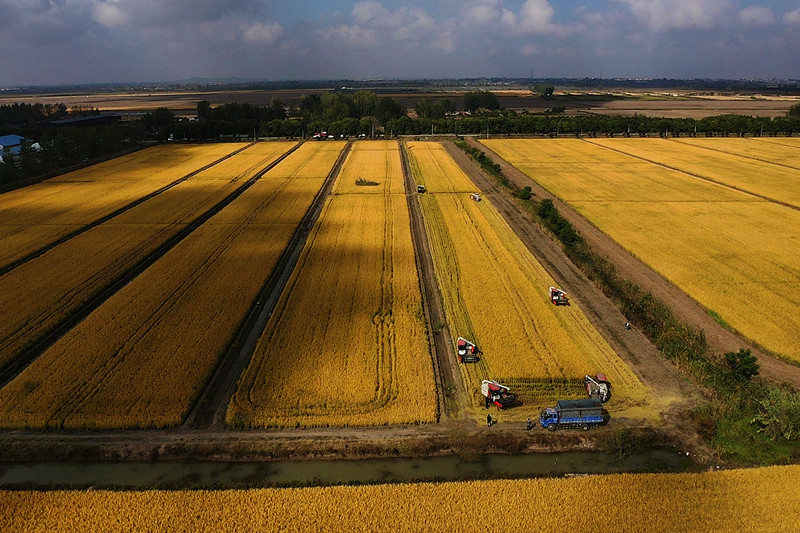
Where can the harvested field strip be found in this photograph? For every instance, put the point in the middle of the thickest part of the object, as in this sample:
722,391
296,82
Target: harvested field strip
51,287
346,344
773,182
772,154
35,216
762,499
496,291
142,357
731,252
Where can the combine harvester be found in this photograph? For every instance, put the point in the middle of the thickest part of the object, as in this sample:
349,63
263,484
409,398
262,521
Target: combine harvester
558,297
598,387
475,196
497,394
468,351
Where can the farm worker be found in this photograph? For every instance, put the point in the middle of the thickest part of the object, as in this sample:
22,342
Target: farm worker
627,325
488,420
530,424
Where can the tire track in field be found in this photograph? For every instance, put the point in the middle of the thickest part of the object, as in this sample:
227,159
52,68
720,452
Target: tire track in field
83,229
13,369
211,405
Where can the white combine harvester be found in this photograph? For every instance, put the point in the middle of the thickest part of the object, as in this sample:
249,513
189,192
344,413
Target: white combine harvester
598,387
558,297
468,351
475,196
497,394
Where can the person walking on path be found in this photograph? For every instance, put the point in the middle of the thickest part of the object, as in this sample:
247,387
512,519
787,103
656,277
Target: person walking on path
489,420
530,424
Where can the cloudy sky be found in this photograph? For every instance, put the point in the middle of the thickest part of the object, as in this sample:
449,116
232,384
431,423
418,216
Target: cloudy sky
83,41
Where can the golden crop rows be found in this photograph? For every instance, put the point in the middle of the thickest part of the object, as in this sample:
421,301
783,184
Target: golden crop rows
346,344
142,357
496,293
748,147
734,253
375,161
52,286
39,214
775,182
762,499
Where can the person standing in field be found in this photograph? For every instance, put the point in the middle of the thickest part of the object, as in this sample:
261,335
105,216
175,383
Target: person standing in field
489,420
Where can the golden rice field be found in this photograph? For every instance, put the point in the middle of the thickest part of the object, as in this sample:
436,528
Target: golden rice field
733,252
143,356
748,147
756,500
496,293
376,161
40,214
45,290
346,344
774,182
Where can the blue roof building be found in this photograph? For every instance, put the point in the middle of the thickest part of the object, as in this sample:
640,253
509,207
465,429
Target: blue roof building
11,142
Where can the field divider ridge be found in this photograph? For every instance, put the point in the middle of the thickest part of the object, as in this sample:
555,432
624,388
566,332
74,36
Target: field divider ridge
5,269
211,405
14,368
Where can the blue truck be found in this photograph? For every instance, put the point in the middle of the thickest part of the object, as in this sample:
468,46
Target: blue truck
583,414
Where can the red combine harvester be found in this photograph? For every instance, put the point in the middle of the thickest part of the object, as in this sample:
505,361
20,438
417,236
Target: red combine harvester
498,395
558,297
468,352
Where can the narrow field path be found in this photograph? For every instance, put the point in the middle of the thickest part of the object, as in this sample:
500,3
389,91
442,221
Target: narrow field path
210,408
21,362
83,229
452,398
720,340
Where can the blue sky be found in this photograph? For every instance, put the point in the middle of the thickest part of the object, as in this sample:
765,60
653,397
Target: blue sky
82,41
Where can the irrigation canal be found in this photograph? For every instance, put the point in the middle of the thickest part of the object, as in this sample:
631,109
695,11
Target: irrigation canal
217,475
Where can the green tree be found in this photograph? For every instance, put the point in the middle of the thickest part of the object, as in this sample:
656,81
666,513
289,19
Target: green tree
158,119
366,102
545,90
389,109
743,364
794,111
480,99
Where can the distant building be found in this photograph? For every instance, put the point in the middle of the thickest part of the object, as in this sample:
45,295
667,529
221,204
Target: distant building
13,143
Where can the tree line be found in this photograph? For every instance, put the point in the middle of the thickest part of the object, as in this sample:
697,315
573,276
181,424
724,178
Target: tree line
337,113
